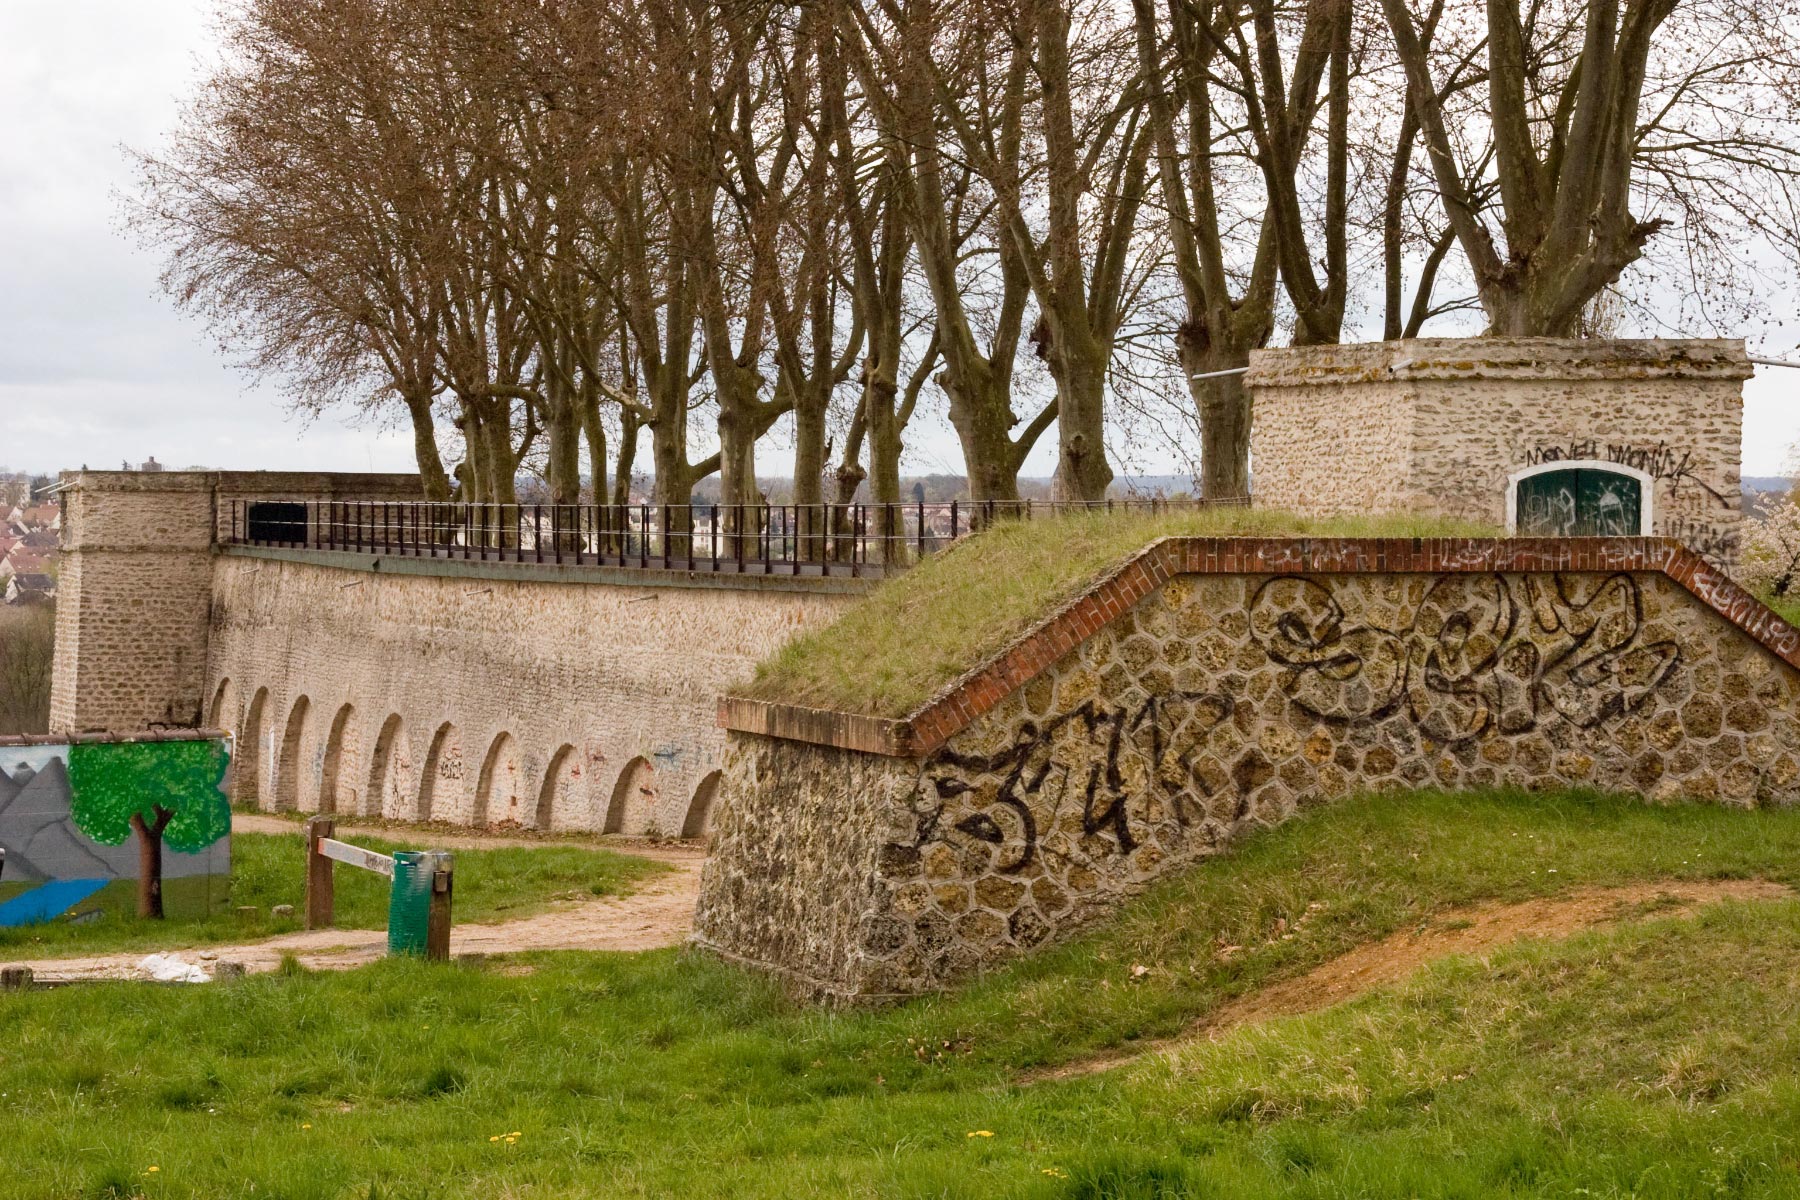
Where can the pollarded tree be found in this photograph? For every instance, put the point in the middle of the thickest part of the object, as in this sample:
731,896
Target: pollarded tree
161,791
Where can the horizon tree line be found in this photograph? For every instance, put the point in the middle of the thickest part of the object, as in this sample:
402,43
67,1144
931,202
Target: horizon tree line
534,230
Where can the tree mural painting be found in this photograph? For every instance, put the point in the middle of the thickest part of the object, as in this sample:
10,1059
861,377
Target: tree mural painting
162,791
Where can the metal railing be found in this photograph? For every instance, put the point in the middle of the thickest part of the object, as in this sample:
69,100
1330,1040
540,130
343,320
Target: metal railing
855,540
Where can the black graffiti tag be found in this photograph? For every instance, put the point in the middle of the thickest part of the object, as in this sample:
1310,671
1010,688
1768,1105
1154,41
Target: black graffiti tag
1473,658
1093,751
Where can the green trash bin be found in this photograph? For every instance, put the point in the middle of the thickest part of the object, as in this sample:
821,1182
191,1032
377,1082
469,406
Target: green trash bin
409,904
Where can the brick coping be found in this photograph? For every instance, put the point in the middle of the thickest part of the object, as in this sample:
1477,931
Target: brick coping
978,691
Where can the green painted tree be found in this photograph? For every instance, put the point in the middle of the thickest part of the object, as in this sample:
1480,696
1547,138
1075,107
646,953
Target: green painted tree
162,791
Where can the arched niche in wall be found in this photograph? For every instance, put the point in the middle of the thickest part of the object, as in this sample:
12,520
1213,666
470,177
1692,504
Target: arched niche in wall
252,744
293,756
699,820
1580,498
500,788
390,771
441,782
632,809
561,799
337,789
222,713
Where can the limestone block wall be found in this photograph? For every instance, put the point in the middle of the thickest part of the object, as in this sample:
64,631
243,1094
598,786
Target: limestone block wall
1442,425
1214,686
486,694
136,580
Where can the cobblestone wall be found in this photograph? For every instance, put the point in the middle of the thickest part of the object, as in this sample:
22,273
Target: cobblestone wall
1218,702
1442,425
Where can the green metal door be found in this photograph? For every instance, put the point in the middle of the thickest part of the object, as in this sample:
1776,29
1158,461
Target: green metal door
1579,502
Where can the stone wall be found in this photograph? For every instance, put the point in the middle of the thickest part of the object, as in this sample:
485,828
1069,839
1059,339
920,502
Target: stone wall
1442,425
490,693
573,697
135,582
1215,686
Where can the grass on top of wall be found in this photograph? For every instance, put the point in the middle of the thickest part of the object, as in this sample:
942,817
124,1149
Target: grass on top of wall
270,869
1660,1058
920,631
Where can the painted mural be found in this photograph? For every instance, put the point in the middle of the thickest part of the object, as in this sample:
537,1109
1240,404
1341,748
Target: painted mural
82,824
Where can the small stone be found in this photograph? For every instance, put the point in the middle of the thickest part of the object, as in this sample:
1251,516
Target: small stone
278,911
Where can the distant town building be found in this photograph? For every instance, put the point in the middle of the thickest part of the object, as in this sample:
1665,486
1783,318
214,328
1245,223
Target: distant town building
30,588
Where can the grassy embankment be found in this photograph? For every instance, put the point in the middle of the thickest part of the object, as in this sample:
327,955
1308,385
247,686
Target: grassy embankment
920,631
1659,1058
270,869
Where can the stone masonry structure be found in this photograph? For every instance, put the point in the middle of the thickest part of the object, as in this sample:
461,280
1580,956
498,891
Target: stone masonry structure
1211,686
136,581
1460,425
473,692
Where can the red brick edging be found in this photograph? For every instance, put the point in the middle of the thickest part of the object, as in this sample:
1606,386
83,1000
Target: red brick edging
980,690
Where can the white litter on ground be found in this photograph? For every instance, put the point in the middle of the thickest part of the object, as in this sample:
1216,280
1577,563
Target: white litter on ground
171,968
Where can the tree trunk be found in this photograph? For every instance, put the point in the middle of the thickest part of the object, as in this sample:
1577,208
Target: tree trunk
595,434
150,899
563,470
1223,403
425,448
982,415
1082,472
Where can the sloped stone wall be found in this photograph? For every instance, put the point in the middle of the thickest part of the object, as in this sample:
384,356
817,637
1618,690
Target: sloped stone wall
1223,701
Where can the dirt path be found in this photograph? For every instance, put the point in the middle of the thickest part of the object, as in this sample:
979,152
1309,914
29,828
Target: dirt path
659,913
1473,930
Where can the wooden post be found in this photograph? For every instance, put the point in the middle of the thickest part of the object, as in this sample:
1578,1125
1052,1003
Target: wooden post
437,924
320,890
15,979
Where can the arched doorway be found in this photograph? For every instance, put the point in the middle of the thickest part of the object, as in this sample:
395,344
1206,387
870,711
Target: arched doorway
335,793
441,782
500,788
1580,498
632,809
700,811
251,746
390,771
223,712
293,742
559,800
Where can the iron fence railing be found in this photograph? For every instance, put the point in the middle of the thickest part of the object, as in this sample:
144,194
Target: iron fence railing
774,539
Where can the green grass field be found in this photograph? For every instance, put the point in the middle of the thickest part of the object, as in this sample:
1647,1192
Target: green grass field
1660,1058
924,628
270,869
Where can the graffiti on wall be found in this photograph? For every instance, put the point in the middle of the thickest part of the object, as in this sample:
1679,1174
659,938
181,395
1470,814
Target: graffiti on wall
1698,514
1098,760
1481,653
1662,462
69,817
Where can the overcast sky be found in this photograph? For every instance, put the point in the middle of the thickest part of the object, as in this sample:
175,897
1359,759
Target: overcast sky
95,365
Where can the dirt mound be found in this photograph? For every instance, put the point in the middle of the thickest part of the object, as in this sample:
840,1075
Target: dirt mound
1472,930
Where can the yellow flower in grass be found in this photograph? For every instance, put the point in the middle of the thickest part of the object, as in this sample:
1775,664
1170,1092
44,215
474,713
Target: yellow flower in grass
151,1170
981,1133
1055,1172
